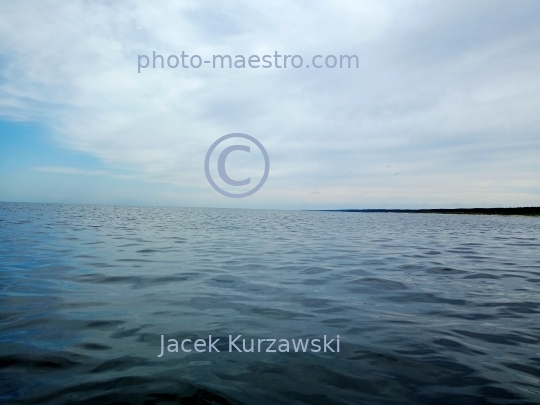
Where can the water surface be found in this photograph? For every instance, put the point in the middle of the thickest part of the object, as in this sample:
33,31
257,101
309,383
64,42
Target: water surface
430,309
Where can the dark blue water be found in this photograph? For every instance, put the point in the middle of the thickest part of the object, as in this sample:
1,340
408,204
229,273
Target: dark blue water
430,309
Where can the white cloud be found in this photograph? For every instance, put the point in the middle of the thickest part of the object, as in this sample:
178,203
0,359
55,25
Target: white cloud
448,92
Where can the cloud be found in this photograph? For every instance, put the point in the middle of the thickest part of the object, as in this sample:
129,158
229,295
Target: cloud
445,93
71,170
85,172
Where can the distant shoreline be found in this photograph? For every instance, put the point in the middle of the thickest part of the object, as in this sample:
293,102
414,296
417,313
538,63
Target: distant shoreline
527,211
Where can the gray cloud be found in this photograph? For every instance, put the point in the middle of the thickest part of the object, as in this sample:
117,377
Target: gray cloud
448,94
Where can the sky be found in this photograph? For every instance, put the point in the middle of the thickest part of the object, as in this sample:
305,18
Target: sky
442,110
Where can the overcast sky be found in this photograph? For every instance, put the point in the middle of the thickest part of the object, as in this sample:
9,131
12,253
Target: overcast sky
443,110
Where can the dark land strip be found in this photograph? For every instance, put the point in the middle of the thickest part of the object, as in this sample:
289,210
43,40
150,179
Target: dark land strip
528,211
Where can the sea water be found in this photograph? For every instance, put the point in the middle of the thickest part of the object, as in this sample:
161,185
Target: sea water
429,309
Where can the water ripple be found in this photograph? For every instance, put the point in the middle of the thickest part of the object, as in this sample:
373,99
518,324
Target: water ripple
430,309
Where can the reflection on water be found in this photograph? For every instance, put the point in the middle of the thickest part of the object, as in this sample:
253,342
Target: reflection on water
430,309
